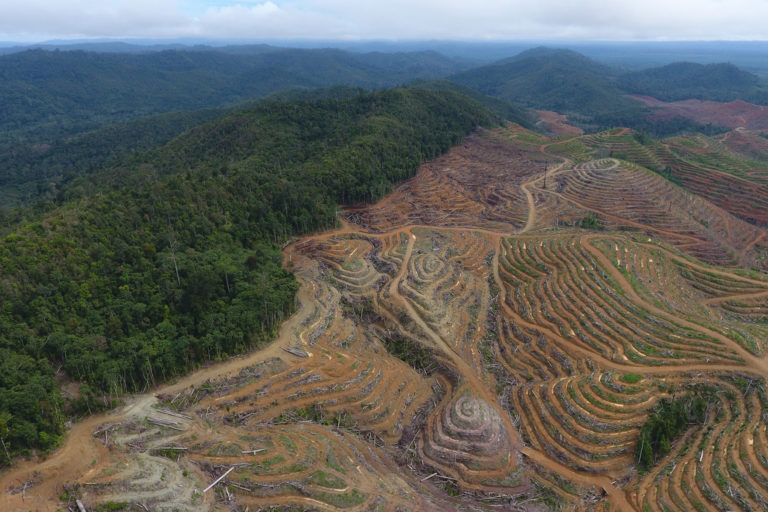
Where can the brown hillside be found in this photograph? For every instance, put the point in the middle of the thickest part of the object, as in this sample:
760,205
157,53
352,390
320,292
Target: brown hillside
733,114
746,143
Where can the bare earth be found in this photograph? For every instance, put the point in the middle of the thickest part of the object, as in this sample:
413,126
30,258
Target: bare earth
557,123
732,114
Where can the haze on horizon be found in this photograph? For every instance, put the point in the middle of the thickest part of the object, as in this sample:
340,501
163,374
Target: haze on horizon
486,20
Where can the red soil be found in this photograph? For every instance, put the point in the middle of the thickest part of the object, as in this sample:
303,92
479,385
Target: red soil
746,143
734,114
557,123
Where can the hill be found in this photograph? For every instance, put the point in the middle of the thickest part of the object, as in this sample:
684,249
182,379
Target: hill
687,80
33,171
702,165
146,269
549,79
49,93
595,96
504,109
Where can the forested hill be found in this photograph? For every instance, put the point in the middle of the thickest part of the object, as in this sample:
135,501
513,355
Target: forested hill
29,172
551,79
44,93
595,95
687,80
143,271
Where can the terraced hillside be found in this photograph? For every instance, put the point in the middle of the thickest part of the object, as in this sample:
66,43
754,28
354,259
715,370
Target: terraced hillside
493,335
729,171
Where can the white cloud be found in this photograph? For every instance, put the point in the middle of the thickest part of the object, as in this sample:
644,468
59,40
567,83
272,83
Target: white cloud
364,19
89,18
265,20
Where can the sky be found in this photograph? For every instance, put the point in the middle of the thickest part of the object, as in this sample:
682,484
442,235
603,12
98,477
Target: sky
487,20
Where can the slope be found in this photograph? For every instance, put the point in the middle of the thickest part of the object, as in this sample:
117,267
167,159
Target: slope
502,108
548,79
595,96
687,80
700,164
31,171
147,269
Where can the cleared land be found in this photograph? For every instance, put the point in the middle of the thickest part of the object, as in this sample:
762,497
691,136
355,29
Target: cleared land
495,332
732,114
557,123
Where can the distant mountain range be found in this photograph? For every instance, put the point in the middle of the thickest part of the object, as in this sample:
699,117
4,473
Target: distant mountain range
44,93
628,55
568,82
57,104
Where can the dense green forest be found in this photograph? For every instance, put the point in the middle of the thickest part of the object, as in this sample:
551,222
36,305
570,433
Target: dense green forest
46,94
143,270
686,80
504,109
32,171
549,79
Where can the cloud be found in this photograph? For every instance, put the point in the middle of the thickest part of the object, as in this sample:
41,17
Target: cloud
265,20
393,19
23,19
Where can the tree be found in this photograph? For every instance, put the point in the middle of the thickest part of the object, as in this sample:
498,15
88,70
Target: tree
5,419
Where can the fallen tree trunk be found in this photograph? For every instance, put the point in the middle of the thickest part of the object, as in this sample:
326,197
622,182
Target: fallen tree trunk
217,480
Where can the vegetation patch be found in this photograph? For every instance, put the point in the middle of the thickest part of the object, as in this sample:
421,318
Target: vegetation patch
325,479
419,357
631,378
668,421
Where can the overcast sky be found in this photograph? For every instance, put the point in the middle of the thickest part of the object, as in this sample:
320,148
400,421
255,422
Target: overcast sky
36,20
